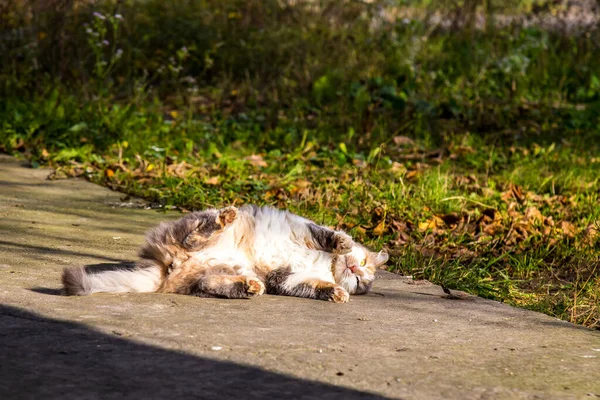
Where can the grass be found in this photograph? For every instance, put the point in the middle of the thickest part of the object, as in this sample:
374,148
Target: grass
471,155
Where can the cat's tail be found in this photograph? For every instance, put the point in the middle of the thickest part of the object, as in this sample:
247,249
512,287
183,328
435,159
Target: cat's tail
145,277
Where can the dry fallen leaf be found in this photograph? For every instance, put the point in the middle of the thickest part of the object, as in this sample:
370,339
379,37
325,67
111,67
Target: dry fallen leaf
398,168
412,175
492,229
567,228
256,160
513,192
591,233
403,141
380,228
430,224
533,215
302,183
212,181
109,173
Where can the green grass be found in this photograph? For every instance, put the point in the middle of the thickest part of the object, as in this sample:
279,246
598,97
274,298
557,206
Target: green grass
472,156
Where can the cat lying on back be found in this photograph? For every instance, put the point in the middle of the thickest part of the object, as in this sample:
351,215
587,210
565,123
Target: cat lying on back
241,253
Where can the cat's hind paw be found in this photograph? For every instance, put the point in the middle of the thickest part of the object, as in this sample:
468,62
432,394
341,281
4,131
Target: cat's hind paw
254,287
339,295
227,215
342,243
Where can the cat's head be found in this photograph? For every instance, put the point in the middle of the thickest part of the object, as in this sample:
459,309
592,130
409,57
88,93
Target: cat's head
199,229
355,271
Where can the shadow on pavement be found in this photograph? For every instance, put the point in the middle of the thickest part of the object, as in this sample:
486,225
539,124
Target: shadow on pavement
42,251
52,359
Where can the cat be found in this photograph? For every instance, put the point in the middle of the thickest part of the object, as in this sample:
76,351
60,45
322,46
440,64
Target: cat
241,253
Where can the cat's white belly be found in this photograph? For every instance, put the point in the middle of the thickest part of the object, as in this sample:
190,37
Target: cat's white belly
230,258
285,253
225,252
275,246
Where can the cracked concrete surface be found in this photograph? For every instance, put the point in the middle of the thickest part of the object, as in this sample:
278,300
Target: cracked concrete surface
402,341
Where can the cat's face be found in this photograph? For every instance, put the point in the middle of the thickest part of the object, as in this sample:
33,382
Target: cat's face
199,229
355,271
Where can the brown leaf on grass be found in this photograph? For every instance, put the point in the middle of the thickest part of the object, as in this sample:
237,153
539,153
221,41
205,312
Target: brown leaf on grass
400,226
109,173
403,141
513,210
536,198
534,215
489,214
411,175
212,181
513,192
425,249
302,183
359,163
398,168
432,223
402,239
464,254
489,223
256,160
179,170
567,228
299,191
402,229
380,229
377,213
277,193
591,233
492,229
468,181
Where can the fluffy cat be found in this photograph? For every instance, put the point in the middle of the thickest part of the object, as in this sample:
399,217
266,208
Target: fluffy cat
240,253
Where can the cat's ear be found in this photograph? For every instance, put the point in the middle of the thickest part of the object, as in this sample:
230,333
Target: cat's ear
381,258
226,216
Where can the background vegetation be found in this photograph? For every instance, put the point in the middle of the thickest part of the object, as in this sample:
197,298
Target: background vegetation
461,135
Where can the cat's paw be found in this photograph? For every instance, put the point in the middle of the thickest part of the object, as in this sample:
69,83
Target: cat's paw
254,287
339,295
226,216
342,243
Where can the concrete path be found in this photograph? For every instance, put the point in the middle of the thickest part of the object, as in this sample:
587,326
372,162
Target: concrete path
402,341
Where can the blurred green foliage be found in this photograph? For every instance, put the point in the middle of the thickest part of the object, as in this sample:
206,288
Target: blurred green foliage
322,66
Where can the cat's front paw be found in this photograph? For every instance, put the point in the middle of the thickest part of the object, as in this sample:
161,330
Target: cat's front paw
254,287
227,215
342,243
339,295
